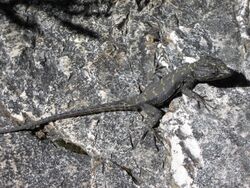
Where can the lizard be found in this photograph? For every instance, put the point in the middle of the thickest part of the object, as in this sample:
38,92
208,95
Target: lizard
153,98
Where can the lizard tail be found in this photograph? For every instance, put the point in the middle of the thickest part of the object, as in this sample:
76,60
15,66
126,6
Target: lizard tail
108,107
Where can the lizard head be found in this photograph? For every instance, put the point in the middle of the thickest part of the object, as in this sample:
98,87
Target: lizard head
209,69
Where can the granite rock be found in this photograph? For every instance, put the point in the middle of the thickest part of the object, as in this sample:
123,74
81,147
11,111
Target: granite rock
62,55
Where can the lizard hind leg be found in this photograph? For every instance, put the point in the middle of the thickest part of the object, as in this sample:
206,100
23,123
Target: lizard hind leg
152,116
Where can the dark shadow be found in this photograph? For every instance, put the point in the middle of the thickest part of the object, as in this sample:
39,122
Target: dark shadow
236,80
141,4
79,29
7,9
65,8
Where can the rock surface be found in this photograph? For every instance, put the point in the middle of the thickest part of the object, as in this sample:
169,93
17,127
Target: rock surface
62,55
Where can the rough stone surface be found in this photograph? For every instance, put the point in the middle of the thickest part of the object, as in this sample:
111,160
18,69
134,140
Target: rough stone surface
61,55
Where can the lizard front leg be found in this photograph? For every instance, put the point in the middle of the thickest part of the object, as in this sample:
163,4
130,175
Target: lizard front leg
187,91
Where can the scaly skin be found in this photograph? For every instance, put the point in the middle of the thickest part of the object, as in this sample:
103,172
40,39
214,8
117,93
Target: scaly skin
153,97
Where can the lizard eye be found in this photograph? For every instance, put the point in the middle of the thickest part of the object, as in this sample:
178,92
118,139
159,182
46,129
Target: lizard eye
205,71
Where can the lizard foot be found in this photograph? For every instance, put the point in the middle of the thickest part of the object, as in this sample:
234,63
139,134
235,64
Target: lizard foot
154,133
205,102
197,97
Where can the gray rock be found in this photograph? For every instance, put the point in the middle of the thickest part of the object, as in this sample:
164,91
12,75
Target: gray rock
62,55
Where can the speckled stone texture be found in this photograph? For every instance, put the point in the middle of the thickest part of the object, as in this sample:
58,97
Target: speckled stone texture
62,55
